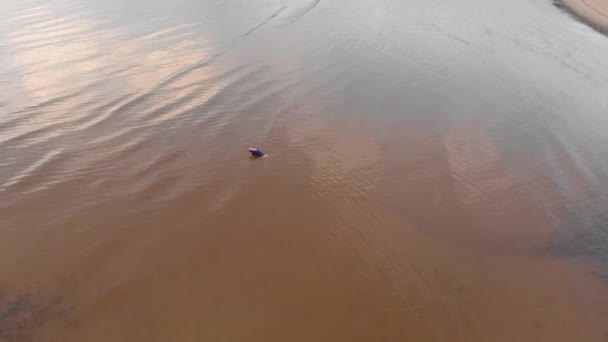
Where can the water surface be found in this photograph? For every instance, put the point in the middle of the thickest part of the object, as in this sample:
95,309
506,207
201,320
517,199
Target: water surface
437,171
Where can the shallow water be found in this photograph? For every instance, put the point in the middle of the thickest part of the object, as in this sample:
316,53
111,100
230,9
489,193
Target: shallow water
438,171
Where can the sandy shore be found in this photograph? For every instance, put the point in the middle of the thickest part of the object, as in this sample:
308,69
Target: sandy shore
593,12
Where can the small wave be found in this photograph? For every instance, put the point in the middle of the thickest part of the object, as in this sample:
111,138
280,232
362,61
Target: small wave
48,157
304,11
171,31
260,25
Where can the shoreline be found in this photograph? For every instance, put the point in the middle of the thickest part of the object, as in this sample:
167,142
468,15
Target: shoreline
594,13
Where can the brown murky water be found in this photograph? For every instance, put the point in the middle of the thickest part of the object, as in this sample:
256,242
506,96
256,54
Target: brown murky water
437,171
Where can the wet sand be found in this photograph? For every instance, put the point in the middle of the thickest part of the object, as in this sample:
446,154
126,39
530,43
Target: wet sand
433,174
593,12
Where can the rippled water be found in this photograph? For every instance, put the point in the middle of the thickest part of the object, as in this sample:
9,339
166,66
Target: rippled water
437,172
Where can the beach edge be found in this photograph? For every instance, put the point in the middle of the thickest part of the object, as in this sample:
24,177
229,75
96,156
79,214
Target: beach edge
583,12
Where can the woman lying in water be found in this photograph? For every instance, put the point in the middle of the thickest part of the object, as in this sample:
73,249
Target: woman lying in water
256,153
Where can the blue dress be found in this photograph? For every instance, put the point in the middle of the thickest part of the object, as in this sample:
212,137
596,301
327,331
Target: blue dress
257,153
